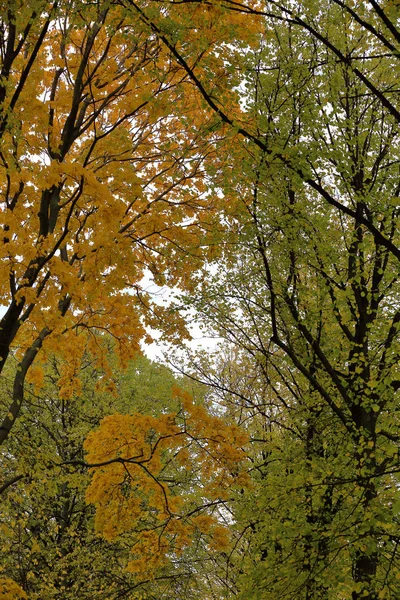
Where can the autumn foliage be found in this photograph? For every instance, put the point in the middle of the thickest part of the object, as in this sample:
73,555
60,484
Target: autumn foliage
245,156
147,476
100,180
9,590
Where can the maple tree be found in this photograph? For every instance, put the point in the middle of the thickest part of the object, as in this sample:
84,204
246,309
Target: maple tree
99,178
100,181
56,545
260,139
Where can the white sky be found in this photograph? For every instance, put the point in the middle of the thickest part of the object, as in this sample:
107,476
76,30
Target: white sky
158,350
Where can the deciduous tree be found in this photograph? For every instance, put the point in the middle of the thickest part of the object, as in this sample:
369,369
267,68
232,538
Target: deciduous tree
100,178
307,289
153,526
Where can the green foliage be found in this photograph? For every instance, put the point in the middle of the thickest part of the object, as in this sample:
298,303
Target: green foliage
306,295
47,533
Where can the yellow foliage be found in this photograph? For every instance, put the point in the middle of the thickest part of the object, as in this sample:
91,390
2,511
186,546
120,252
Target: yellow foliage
92,191
9,590
36,377
137,461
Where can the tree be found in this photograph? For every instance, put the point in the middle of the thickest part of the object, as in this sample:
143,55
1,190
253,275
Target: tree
303,202
309,291
99,179
47,531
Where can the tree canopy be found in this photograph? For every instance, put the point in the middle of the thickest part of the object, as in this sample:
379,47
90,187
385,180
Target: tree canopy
247,155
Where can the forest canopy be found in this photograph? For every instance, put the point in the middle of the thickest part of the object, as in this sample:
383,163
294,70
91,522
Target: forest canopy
245,157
